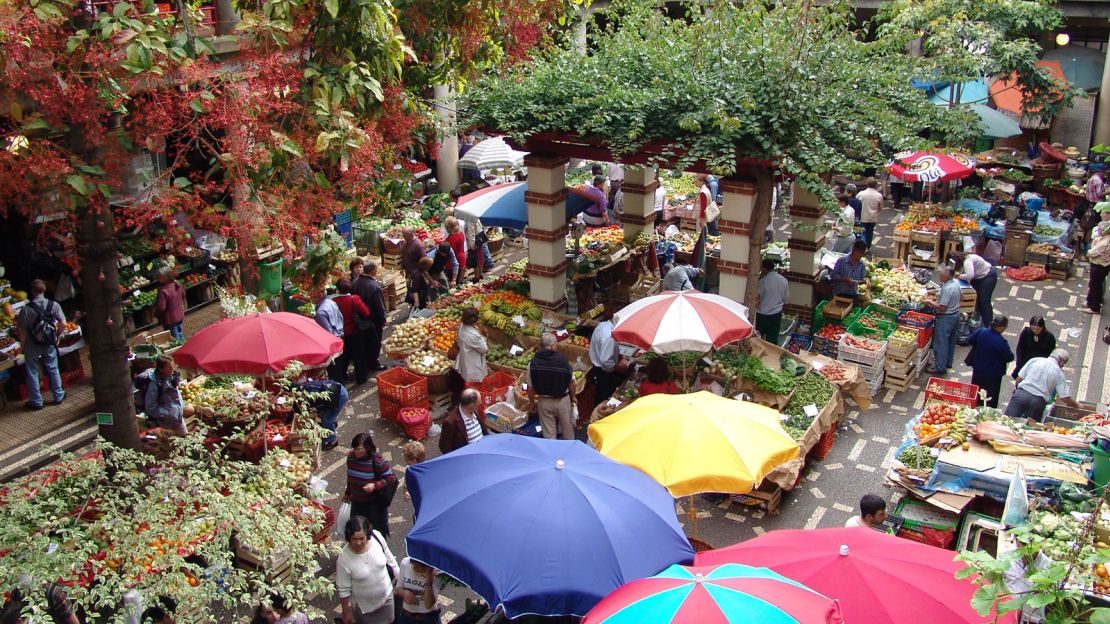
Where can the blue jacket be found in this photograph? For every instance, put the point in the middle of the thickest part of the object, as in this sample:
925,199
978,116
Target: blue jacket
992,352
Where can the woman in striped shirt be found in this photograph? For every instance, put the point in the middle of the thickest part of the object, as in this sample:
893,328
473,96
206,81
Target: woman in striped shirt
370,483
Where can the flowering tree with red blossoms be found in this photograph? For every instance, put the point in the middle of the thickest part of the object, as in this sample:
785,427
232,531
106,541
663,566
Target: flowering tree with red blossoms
299,116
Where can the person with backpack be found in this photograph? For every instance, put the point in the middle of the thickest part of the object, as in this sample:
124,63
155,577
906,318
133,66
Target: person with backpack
162,402
40,323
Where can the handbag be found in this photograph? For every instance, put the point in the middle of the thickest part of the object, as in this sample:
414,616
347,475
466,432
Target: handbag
383,497
341,518
970,356
453,352
712,211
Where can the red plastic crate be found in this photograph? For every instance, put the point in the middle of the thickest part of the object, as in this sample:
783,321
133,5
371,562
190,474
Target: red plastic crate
824,445
951,392
494,388
389,409
402,386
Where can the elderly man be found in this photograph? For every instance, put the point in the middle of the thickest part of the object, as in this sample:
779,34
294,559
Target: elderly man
551,388
947,305
1037,381
679,277
774,292
369,290
609,367
466,424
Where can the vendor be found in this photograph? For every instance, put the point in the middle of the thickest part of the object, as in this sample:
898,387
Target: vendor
597,213
983,277
849,272
947,305
774,291
679,277
162,403
843,227
1037,382
658,379
872,511
609,366
551,390
1099,255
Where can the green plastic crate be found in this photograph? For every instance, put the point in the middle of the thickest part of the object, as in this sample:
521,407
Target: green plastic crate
883,330
919,515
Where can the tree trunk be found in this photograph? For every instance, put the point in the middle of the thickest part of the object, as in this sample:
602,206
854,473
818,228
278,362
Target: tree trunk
111,372
761,216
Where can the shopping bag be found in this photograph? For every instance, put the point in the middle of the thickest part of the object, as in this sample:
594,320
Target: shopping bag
341,518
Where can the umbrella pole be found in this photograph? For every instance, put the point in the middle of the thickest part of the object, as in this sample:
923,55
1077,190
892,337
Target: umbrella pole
693,515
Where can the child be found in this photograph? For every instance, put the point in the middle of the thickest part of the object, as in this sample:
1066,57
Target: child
417,590
413,453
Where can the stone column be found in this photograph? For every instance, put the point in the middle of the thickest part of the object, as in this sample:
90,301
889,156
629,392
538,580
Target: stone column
226,18
1102,119
547,229
447,165
639,200
736,215
803,244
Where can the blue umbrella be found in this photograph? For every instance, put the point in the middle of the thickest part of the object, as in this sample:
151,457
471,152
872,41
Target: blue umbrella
1082,66
502,205
973,92
545,527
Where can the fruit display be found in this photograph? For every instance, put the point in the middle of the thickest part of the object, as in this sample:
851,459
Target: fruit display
862,343
440,324
1041,248
678,184
307,309
137,246
408,335
6,321
831,332
443,341
895,285
226,256
18,295
192,279
427,362
519,266
132,281
937,420
142,300
282,470
963,224
809,389
578,341
918,458
1047,230
230,405
904,334
501,356
7,342
1055,534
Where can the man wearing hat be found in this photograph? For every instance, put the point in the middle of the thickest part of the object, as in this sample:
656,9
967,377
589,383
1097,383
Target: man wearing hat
1099,255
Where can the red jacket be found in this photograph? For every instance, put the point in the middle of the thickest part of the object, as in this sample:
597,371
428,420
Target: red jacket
350,306
170,305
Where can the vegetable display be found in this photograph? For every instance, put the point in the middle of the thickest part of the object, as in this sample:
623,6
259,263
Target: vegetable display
810,389
918,458
1047,230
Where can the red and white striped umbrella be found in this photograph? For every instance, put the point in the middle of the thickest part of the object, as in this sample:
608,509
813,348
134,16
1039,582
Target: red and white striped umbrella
682,321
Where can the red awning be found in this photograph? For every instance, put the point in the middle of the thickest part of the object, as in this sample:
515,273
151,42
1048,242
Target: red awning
1008,97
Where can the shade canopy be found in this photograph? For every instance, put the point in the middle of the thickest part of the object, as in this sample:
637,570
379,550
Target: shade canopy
492,153
875,576
931,166
971,92
259,344
1082,66
695,443
546,527
1008,96
503,205
682,321
994,124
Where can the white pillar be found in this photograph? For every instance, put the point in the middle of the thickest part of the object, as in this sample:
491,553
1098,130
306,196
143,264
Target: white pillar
734,224
547,229
1102,118
639,200
447,165
806,210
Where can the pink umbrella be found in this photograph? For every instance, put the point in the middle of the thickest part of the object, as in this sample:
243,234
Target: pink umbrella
931,166
258,345
875,577
682,321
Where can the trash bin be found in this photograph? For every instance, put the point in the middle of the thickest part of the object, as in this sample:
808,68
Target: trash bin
1100,473
269,277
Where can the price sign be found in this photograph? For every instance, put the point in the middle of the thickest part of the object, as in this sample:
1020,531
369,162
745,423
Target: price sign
429,360
818,365
708,361
250,395
285,463
524,387
518,319
515,350
396,167
562,334
614,402
280,400
135,294
278,438
811,410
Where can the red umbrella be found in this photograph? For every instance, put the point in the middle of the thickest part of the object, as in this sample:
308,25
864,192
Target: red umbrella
682,321
931,166
876,577
258,344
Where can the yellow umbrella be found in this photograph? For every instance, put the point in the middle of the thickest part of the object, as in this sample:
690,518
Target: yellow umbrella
695,443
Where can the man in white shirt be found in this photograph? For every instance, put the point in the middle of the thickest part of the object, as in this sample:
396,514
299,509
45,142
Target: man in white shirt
871,202
983,278
679,278
1037,381
660,202
774,291
872,511
843,227
609,367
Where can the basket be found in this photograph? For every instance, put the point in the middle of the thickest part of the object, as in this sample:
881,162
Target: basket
402,386
951,392
837,309
494,388
824,445
437,384
389,409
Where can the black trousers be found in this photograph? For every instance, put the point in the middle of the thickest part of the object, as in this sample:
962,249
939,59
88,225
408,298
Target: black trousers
984,292
354,351
605,383
373,341
897,192
376,514
1096,286
991,385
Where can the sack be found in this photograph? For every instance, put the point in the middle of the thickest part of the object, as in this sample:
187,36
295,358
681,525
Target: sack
415,422
44,331
341,518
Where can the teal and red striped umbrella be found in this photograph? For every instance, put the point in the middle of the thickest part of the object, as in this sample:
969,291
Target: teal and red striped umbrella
727,594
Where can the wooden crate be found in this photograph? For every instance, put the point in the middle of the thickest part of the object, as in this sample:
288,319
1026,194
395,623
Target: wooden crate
767,497
901,369
968,299
439,403
391,262
898,385
901,352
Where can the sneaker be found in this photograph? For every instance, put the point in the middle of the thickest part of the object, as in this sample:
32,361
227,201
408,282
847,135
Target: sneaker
33,407
59,401
327,446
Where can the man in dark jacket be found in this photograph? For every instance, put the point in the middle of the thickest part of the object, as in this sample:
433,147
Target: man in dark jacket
466,424
369,290
551,388
989,356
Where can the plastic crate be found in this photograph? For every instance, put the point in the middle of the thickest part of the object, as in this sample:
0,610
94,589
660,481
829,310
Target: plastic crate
389,409
798,342
402,386
494,388
877,311
861,356
824,445
880,331
951,392
910,318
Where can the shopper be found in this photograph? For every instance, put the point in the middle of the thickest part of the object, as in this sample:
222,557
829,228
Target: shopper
660,203
478,256
413,452
471,341
328,314
871,203
457,240
774,291
679,277
1096,187
853,200
1037,382
169,307
371,483
597,212
355,269
983,277
364,575
947,305
989,356
466,424
162,403
445,268
872,511
1099,256
897,190
551,390
1035,341
39,324
417,588
332,398
275,610
705,206
658,379
843,227
411,252
610,368
367,288
423,284
849,272
354,313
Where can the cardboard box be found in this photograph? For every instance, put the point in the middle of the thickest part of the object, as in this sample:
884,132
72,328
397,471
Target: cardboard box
504,417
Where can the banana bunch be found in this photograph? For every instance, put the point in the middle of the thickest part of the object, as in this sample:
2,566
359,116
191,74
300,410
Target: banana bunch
497,320
959,431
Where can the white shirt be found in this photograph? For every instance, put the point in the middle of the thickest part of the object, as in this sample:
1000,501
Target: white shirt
415,583
473,427
872,202
854,521
471,362
1041,376
616,172
363,577
604,351
660,198
845,223
975,268
774,291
